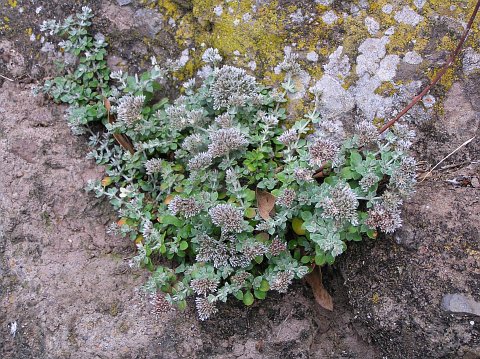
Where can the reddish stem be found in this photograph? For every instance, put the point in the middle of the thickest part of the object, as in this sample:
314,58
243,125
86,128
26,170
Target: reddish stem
439,75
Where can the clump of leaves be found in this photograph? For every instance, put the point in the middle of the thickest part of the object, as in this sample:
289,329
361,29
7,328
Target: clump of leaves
240,199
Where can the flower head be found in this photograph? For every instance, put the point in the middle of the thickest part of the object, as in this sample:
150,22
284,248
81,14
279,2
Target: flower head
366,133
225,120
203,286
286,198
404,135
303,175
200,161
205,308
193,143
277,246
341,204
404,177
289,137
160,304
227,217
280,281
240,278
129,108
368,181
212,250
188,207
387,219
225,141
232,87
153,165
322,151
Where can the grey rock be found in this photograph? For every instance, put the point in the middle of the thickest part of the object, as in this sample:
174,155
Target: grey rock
124,2
148,21
459,303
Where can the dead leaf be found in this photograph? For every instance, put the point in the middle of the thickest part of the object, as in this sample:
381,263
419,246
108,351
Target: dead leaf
122,140
265,204
321,295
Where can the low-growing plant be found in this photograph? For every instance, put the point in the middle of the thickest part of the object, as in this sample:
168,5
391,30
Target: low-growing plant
223,192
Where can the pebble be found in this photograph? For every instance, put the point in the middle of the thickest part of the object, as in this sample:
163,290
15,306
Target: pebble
123,2
459,303
475,182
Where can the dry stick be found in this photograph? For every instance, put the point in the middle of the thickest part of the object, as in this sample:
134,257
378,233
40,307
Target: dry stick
437,78
444,158
6,78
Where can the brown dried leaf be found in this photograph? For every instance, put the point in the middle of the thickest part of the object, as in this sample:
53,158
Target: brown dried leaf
107,105
122,140
321,295
265,204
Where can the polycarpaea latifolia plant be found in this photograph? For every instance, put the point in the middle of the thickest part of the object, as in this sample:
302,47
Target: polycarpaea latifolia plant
238,196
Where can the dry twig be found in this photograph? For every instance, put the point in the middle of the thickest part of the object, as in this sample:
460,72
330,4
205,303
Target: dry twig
440,74
447,156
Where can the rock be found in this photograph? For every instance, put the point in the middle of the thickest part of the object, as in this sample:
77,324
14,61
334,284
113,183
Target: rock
149,21
124,2
475,182
459,303
387,9
12,59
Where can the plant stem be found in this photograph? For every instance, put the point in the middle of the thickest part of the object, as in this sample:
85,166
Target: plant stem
440,74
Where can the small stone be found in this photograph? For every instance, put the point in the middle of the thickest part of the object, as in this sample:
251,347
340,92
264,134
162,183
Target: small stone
149,21
459,303
390,31
123,2
472,322
218,10
475,182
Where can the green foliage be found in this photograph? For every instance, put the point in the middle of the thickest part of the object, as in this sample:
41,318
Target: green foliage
220,187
